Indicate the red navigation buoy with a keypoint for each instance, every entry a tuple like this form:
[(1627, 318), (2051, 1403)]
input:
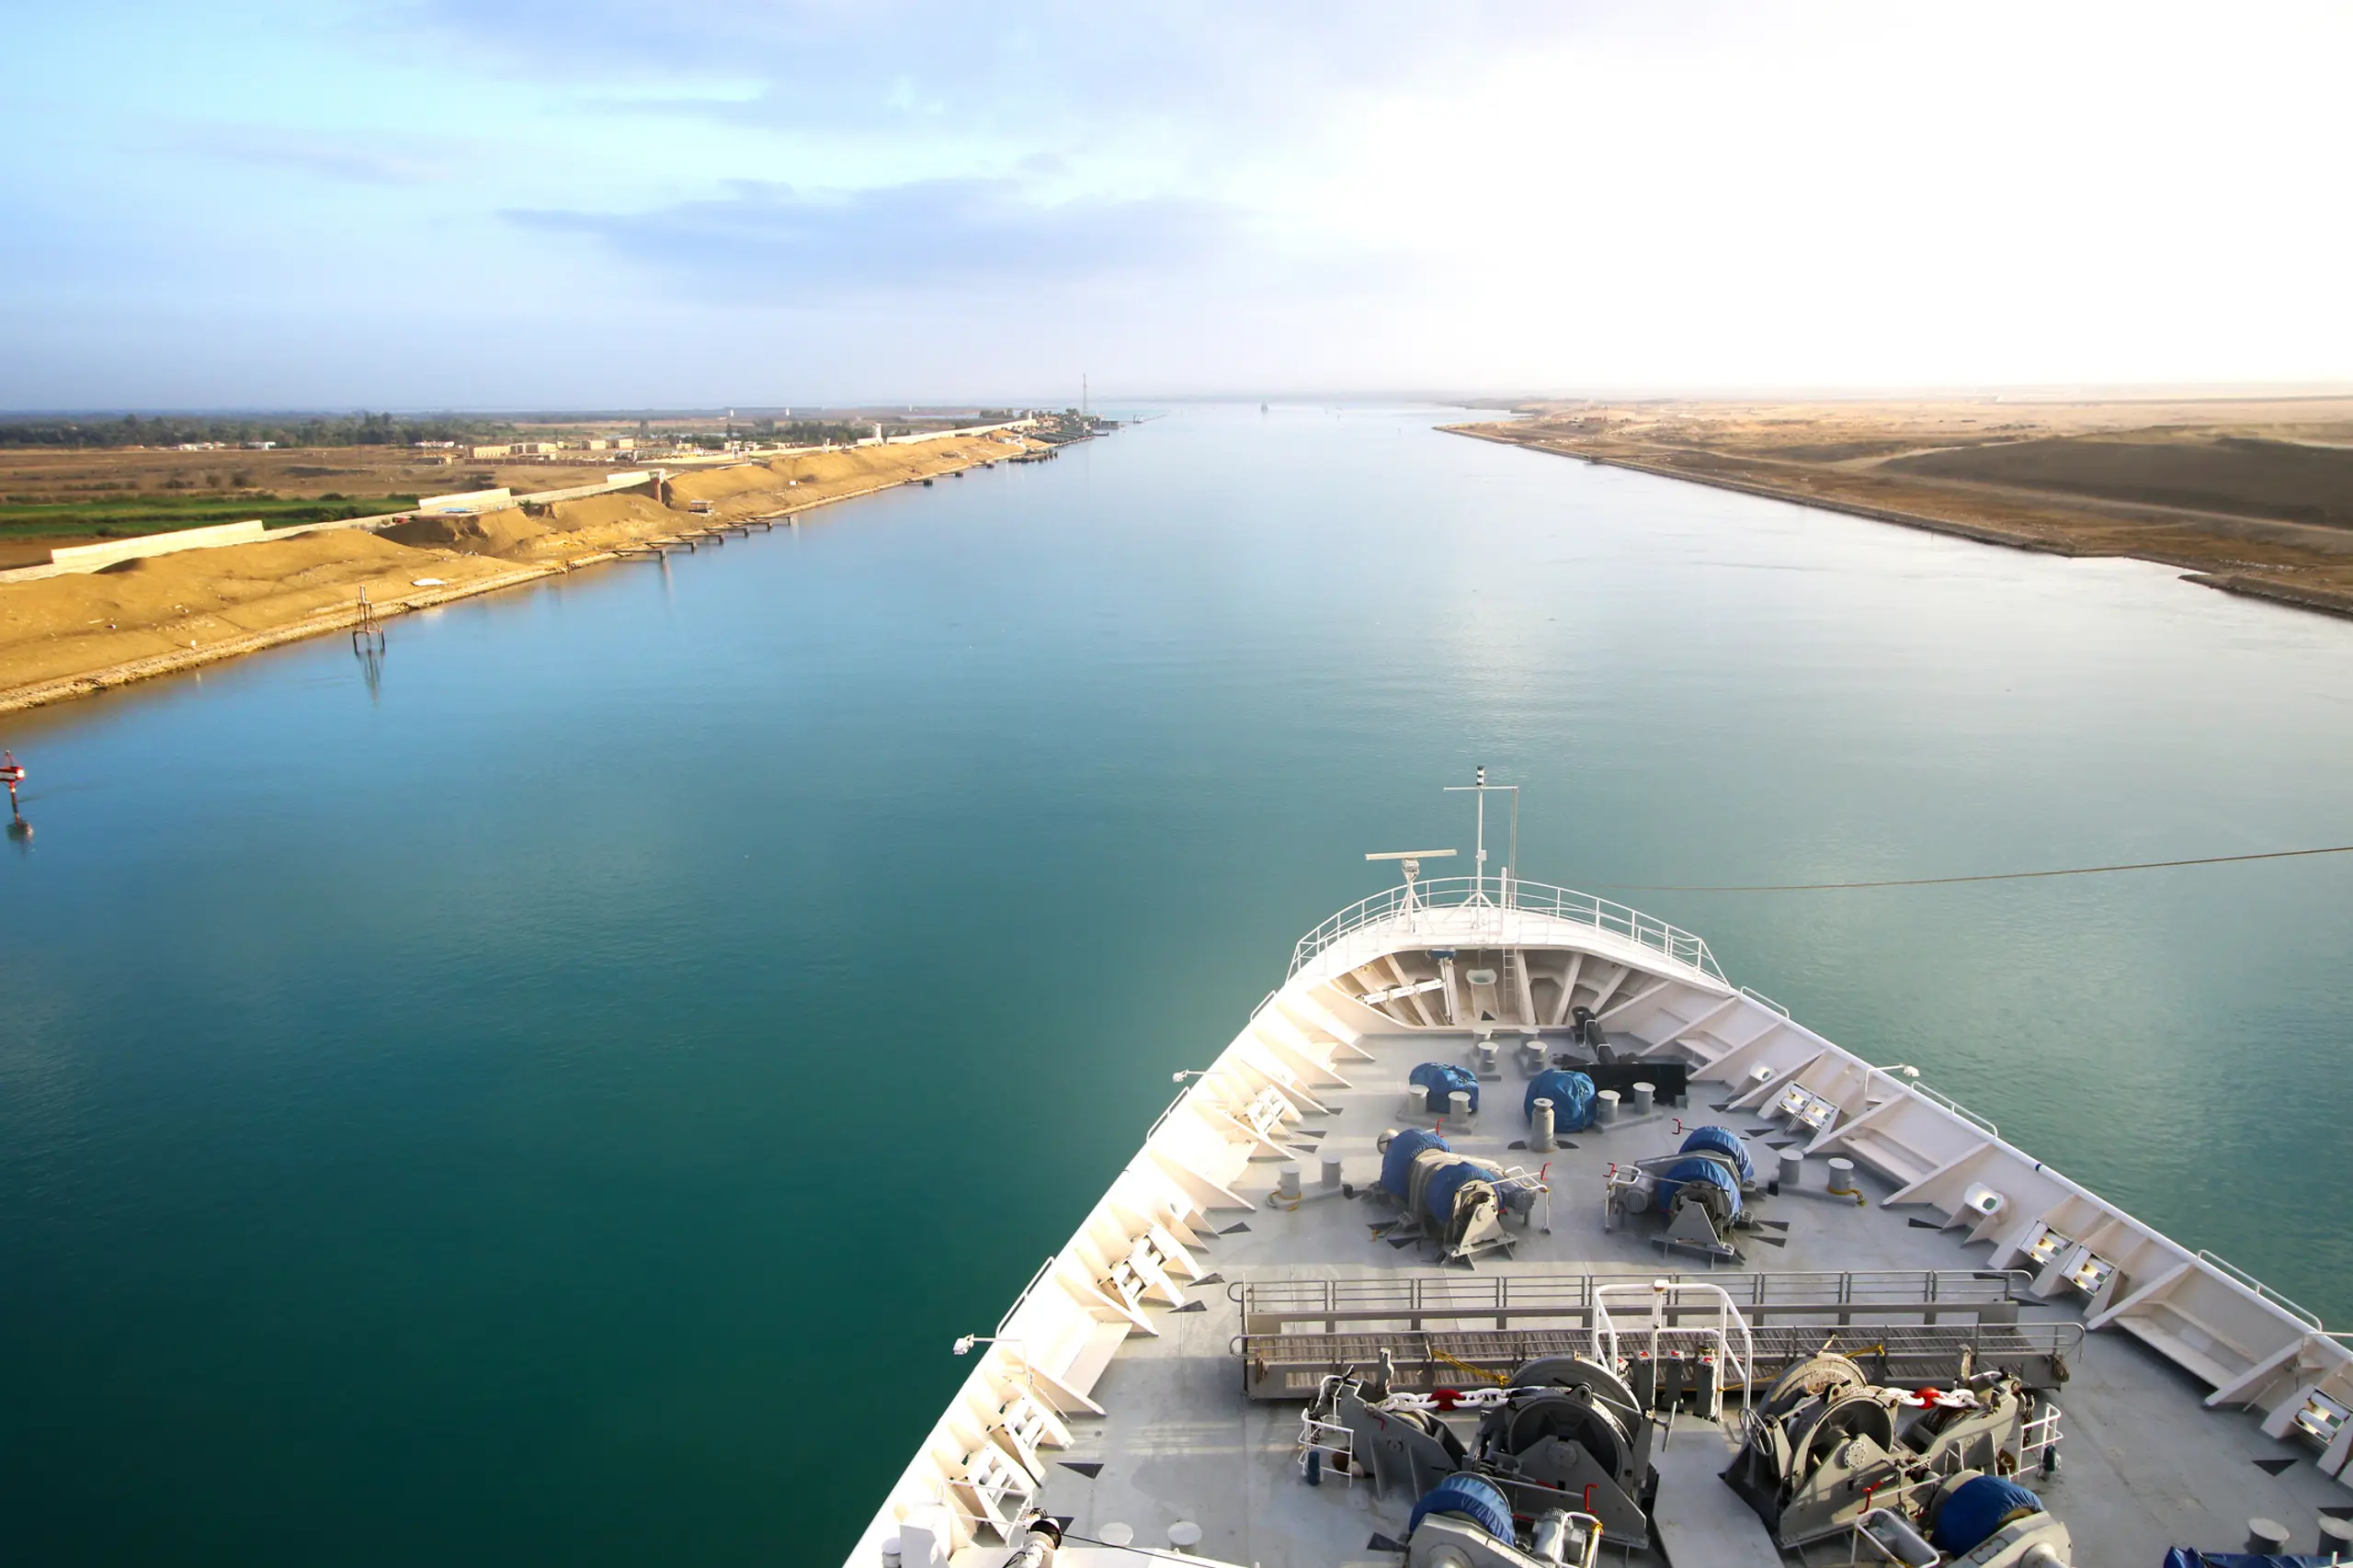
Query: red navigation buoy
[(13, 772)]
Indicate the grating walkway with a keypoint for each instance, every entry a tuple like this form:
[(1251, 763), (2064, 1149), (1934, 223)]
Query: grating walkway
[(1292, 1366)]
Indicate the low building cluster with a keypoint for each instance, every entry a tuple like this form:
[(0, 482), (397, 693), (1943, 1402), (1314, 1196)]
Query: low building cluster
[(550, 448)]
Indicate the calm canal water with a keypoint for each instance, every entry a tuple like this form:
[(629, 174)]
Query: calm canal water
[(560, 1105)]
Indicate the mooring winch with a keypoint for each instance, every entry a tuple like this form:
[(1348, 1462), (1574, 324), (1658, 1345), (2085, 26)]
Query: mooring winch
[(1827, 1448), (1702, 1192), (1565, 1440), (1456, 1201)]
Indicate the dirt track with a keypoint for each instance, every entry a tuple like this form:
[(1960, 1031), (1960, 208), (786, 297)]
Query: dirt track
[(2252, 496), (67, 636)]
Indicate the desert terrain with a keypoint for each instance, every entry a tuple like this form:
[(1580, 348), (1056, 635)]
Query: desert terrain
[(2254, 496), (53, 497), (64, 636)]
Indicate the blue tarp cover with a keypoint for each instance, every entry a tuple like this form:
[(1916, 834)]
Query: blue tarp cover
[(1397, 1162), (1474, 1498), (1437, 1198), (2189, 1557), (1971, 1516), (1443, 1078), (1671, 1180), (1724, 1140), (1572, 1097)]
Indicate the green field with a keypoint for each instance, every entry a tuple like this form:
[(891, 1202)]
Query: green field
[(160, 514)]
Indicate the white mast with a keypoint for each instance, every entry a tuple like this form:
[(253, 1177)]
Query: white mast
[(1479, 863)]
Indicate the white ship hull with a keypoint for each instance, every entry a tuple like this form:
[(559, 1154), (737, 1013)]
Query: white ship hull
[(1114, 1394)]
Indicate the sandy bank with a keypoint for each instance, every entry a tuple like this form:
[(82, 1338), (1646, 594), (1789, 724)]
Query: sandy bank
[(66, 637), (2246, 495)]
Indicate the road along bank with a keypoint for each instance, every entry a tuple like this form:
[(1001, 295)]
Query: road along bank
[(69, 636)]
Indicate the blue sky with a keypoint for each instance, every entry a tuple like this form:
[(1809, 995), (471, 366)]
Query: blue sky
[(421, 203)]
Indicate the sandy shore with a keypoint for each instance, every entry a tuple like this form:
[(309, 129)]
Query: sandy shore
[(69, 636), (2253, 496)]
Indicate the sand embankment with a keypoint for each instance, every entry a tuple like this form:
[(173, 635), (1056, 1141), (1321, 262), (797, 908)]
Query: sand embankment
[(68, 636), (2246, 493)]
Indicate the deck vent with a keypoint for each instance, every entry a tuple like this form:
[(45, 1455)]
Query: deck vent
[(1801, 1107), (2047, 1245), (2091, 1273), (1983, 1201), (1760, 1076), (2321, 1418)]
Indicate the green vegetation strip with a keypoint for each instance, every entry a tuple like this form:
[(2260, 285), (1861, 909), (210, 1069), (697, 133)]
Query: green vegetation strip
[(154, 515)]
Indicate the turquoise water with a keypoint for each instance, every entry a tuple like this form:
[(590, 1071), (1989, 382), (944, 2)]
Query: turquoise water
[(560, 1104)]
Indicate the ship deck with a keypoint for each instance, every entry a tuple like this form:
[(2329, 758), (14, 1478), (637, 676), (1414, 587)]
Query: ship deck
[(2145, 1465), (1148, 1389)]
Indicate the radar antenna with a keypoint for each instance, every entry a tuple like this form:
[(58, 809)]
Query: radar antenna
[(1412, 867)]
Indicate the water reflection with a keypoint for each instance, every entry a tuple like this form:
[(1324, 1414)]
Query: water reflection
[(370, 652)]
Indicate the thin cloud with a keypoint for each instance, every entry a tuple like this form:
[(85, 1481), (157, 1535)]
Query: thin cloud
[(355, 158), (1228, 70), (775, 245)]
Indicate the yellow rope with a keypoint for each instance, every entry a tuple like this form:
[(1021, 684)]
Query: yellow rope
[(1459, 1365)]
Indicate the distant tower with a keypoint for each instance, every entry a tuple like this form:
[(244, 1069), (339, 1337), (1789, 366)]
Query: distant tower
[(1082, 394)]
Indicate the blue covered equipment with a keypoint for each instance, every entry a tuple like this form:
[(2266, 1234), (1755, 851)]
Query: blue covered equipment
[(1442, 1079), (1981, 1506), (1722, 1140), (1397, 1160), (1452, 1200), (1571, 1096), (1699, 1191), (1438, 1193), (1672, 1180), (1469, 1497)]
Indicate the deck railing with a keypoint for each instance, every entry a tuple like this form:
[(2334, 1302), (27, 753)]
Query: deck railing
[(1983, 1124), (1494, 903), (2301, 1313), (1412, 1298)]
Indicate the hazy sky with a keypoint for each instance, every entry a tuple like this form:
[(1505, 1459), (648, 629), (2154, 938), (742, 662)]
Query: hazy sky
[(502, 202)]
